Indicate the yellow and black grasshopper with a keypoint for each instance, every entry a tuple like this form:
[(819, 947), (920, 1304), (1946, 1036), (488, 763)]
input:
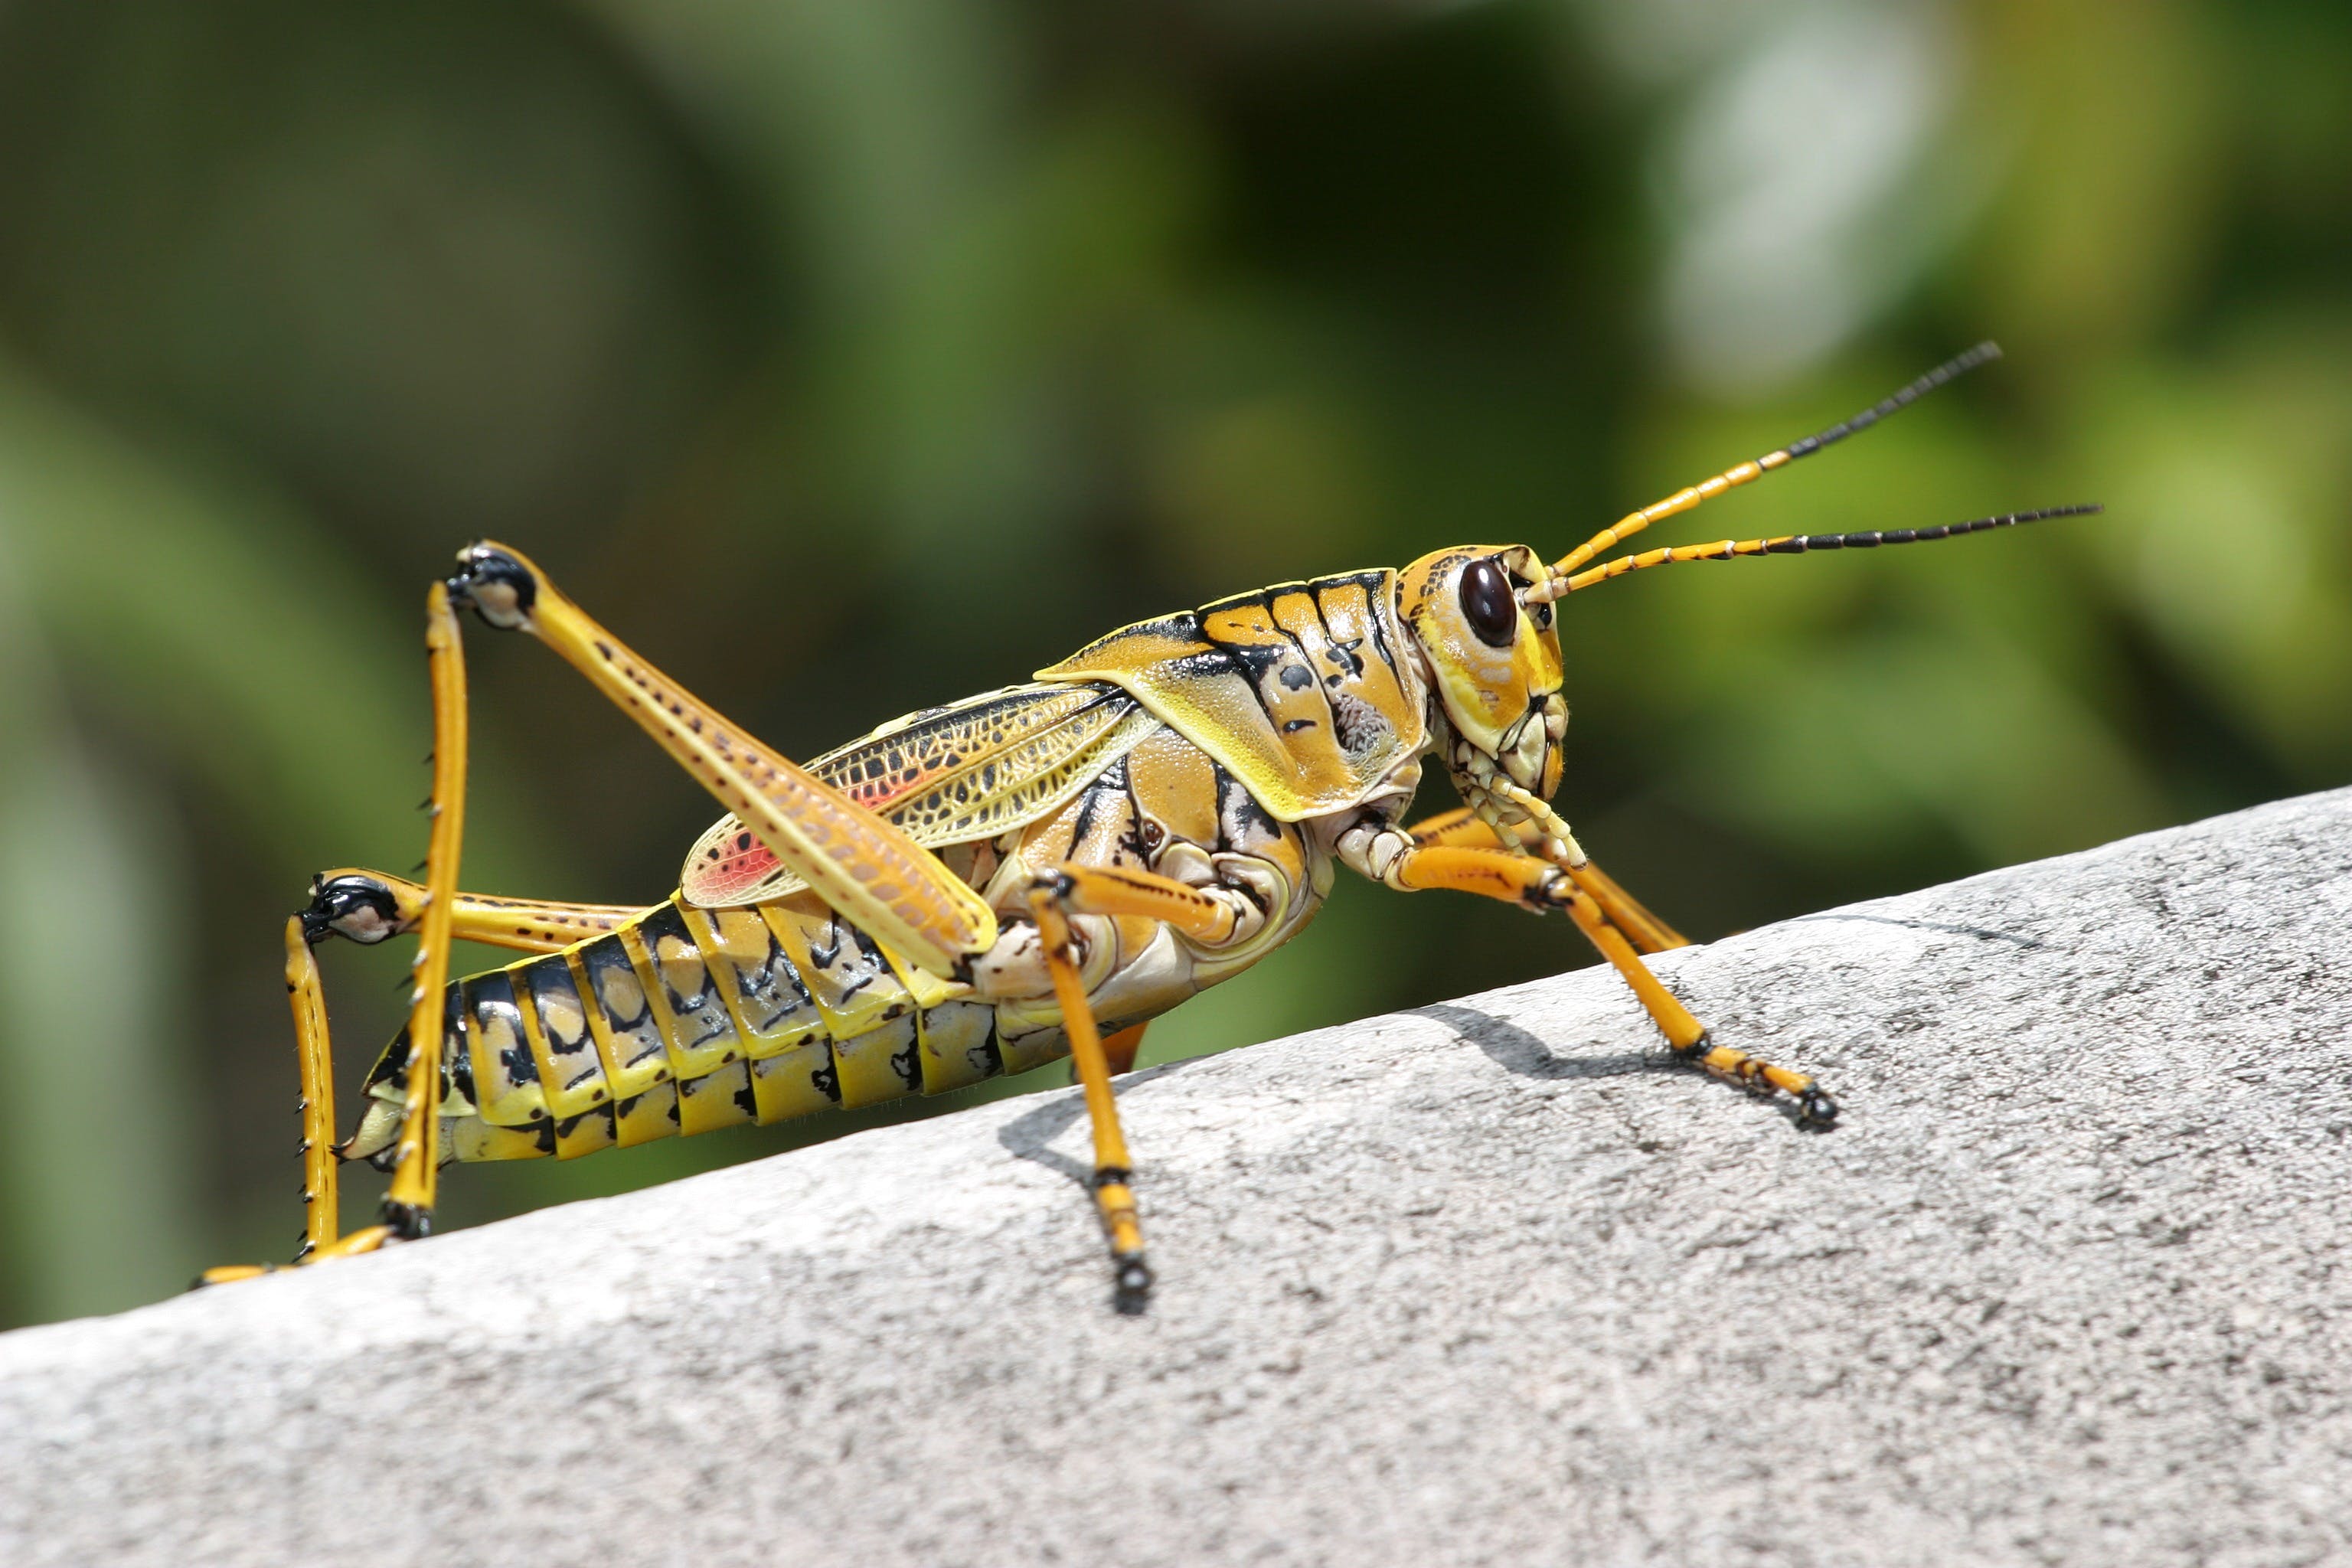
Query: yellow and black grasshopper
[(984, 887)]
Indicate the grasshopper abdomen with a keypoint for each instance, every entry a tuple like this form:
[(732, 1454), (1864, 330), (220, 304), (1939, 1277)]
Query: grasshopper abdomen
[(683, 1021)]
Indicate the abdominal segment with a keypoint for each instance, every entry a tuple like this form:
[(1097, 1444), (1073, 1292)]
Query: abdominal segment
[(684, 1021), (687, 1019)]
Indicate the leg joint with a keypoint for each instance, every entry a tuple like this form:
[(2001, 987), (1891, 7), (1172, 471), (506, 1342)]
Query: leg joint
[(1552, 892), (408, 1222), (495, 585), (359, 908)]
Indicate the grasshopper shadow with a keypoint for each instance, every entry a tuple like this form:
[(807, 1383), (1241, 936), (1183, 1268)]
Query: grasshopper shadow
[(1515, 1050), (1028, 1135)]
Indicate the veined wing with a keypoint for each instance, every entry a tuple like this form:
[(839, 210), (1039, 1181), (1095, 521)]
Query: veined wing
[(969, 771)]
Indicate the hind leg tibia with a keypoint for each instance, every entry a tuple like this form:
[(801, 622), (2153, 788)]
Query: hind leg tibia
[(408, 1206)]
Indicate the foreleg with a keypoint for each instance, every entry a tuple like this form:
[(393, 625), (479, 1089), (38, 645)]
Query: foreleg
[(1463, 829), (1394, 857)]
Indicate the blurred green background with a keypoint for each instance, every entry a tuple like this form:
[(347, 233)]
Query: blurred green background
[(850, 356)]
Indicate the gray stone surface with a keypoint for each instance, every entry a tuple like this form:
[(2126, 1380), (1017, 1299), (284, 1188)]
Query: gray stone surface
[(1485, 1283)]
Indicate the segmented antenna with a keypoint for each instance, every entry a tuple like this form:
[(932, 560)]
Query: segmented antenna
[(1798, 544), (1684, 500)]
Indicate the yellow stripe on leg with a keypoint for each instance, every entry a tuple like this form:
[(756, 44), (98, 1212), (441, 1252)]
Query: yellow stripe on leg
[(1648, 933), (1120, 1049), (1114, 1196), (1682, 1031), (321, 1217), (408, 1205), (857, 861)]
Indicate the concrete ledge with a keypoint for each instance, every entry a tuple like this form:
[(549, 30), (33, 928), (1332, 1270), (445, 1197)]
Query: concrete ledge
[(1485, 1283)]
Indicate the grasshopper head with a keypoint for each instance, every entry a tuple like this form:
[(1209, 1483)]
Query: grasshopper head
[(1495, 663)]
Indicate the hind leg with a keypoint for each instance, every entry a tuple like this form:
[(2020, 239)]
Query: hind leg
[(408, 1206), (321, 1224), (370, 907), (367, 907), (407, 1211), (859, 863)]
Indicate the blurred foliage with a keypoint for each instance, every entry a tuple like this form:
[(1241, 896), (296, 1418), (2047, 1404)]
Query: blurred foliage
[(849, 357)]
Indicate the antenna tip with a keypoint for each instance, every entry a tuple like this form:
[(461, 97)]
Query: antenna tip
[(2049, 513)]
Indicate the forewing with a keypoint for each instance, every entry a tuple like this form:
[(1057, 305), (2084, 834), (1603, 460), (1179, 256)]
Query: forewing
[(946, 776)]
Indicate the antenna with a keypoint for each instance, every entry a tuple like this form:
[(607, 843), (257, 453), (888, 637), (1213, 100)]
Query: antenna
[(1557, 582), (1798, 544)]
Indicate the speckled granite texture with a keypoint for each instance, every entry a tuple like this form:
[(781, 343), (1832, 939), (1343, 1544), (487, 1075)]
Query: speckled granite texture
[(1490, 1282)]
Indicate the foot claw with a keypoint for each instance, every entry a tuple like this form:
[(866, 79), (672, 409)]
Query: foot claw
[(1133, 1286), (406, 1222)]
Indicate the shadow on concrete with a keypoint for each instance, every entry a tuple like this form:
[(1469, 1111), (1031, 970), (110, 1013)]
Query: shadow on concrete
[(1515, 1050), (1027, 1135), (2027, 943)]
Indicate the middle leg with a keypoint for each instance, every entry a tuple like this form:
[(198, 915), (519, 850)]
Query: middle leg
[(408, 1205), (1054, 896)]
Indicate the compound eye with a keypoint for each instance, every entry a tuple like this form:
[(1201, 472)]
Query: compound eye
[(1492, 609)]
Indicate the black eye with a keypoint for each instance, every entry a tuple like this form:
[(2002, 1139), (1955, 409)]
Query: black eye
[(1487, 600)]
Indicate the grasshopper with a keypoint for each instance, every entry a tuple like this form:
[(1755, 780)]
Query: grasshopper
[(987, 886)]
